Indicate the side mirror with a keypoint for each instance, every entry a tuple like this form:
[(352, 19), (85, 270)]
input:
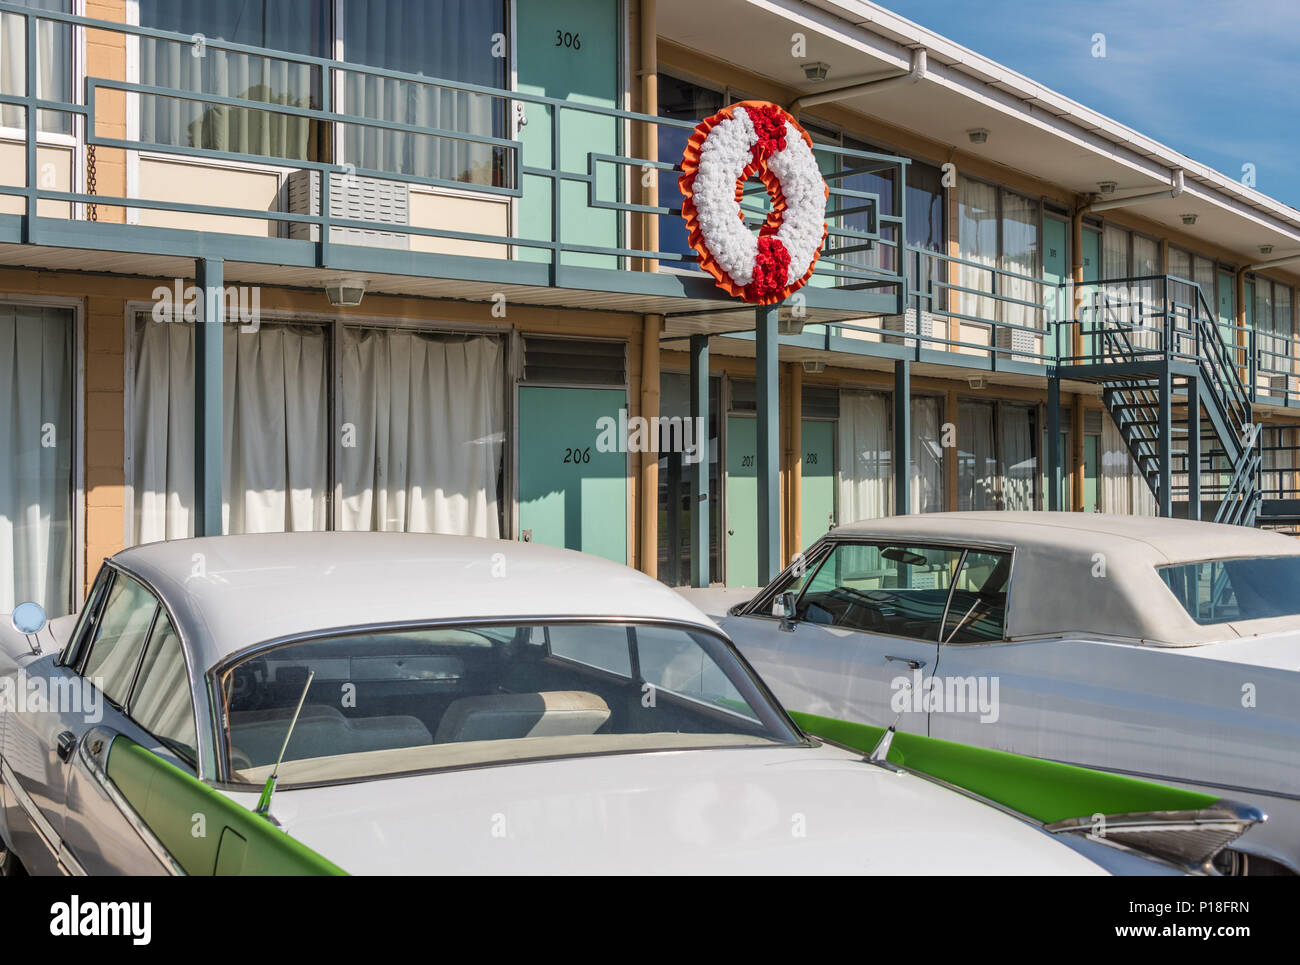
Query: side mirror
[(783, 607), (29, 620)]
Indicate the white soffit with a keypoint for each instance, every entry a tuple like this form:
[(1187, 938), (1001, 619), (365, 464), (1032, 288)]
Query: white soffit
[(1034, 130)]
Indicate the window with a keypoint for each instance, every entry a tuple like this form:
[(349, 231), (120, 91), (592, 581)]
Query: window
[(681, 100), (865, 445), (421, 426), (161, 701), (121, 633), (676, 508), (999, 229), (443, 39), (446, 697), (977, 610), (38, 437), (54, 80), (891, 589), (1275, 327), (997, 455), (1219, 591)]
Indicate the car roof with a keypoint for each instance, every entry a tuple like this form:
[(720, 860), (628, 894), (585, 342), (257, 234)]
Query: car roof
[(1090, 573), (229, 592)]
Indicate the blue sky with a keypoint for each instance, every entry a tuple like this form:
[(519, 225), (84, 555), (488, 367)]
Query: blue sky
[(1216, 79)]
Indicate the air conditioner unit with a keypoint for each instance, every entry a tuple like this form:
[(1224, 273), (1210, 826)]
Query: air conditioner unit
[(1021, 344), (353, 198), (1277, 384), (906, 324)]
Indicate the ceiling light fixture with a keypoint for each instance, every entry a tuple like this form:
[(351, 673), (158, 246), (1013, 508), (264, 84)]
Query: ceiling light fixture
[(1189, 219), (345, 293), (816, 71), (978, 136), (812, 366), (1107, 187)]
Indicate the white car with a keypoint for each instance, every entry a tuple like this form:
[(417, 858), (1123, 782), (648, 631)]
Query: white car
[(1158, 648), (426, 704)]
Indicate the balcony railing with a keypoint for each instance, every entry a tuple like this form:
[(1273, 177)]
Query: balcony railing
[(568, 183)]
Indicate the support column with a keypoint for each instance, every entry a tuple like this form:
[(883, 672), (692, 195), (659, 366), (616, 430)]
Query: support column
[(1166, 497), (1193, 448), (794, 462), (1055, 455), (651, 326), (1079, 472), (902, 436), (768, 444), (208, 449), (699, 542)]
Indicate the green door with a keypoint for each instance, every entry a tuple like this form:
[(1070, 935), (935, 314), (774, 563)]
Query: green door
[(817, 499), (1228, 310), (1056, 270), (742, 501), (570, 493), (1091, 273), (569, 49)]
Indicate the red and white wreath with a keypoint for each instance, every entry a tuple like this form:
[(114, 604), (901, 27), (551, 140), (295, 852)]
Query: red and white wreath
[(748, 139)]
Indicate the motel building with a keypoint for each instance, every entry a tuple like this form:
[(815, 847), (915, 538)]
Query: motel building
[(421, 265)]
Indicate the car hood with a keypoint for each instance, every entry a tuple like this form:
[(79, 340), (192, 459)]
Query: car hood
[(748, 810)]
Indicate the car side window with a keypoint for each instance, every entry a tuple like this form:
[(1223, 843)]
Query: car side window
[(81, 634), (161, 701), (119, 637), (893, 589), (977, 612)]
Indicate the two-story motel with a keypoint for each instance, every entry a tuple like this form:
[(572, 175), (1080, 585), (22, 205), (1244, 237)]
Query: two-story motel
[(446, 239)]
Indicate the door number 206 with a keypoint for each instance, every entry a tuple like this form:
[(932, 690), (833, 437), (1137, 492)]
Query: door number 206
[(577, 455)]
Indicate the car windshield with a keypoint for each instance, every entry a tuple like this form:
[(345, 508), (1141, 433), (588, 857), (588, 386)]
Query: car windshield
[(1223, 591), (402, 700)]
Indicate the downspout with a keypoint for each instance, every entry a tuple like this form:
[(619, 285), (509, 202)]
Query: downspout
[(649, 28), (912, 75)]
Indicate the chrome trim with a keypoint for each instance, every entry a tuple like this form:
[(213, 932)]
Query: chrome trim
[(97, 744), (41, 824), (1170, 779)]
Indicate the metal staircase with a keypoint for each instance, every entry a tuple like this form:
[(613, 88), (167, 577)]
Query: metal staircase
[(1172, 384)]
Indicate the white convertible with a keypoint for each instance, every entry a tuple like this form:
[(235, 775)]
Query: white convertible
[(1160, 648), (438, 704)]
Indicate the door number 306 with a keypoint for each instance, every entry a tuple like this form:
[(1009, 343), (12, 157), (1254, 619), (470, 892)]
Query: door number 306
[(565, 39)]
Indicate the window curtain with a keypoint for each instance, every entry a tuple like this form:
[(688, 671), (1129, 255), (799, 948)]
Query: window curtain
[(1021, 220), (977, 231), (1122, 488), (38, 439), (442, 39), (977, 454), (295, 26), (1148, 294), (427, 416), (53, 66), (865, 466), (1019, 461), (927, 457), (276, 419)]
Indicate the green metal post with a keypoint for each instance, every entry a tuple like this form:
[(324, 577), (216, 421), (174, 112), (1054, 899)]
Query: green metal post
[(700, 469), (209, 276), (769, 422), (1193, 448), (1055, 477), (902, 436), (1166, 496)]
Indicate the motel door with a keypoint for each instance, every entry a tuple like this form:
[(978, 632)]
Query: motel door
[(1228, 309), (742, 501), (1091, 273), (1056, 269), (817, 497), (570, 493)]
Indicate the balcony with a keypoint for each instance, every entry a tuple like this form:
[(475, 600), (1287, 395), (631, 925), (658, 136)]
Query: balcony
[(562, 212)]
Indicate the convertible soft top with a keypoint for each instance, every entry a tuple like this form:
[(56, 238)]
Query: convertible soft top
[(230, 592), (1092, 574)]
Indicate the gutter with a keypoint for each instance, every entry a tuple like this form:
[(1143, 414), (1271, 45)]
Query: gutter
[(912, 75)]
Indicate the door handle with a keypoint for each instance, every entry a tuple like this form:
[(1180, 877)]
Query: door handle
[(914, 664), (65, 743)]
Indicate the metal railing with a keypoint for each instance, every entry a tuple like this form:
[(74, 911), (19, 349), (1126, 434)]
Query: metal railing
[(542, 165)]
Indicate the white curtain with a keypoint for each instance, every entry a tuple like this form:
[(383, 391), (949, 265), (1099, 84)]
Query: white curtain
[(53, 65), (978, 465), (426, 416), (1019, 464), (978, 239), (276, 419), (1021, 221), (1122, 488), (927, 457), (37, 438), (865, 466)]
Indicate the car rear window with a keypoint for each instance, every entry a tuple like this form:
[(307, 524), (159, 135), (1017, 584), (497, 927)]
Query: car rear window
[(406, 700), (1230, 590)]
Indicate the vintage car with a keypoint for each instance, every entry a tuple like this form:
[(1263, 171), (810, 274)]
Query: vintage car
[(1160, 648), (444, 704)]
